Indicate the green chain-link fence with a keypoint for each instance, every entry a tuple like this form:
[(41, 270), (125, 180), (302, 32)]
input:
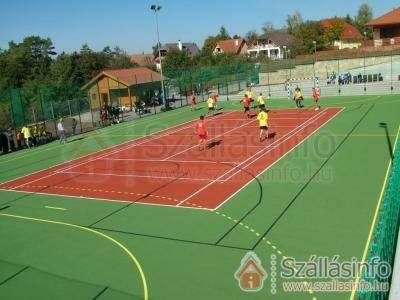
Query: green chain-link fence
[(384, 239)]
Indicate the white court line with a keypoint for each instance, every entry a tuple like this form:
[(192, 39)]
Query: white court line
[(189, 145), (278, 118), (152, 137), (104, 199), (271, 165), (251, 126), (172, 161), (139, 176), (286, 136), (222, 134)]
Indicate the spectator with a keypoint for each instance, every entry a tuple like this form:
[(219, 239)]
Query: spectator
[(10, 137), (27, 133), (74, 124), (20, 138), (110, 114), (103, 114), (3, 143), (61, 131), (116, 113)]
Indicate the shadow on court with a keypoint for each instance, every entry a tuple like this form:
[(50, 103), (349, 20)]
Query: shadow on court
[(213, 144), (389, 142)]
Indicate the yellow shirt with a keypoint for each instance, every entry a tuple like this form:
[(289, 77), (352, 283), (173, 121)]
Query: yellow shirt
[(210, 102), (297, 95), (249, 94), (263, 118), (261, 100), (26, 132)]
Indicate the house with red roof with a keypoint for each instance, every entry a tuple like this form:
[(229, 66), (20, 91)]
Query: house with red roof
[(275, 45), (143, 59), (122, 87), (235, 46), (386, 28), (351, 36)]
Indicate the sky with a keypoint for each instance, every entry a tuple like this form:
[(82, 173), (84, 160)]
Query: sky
[(130, 24)]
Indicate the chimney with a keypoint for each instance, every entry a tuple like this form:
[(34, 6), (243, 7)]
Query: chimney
[(236, 43), (180, 45)]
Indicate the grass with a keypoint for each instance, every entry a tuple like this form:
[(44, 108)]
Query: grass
[(320, 199)]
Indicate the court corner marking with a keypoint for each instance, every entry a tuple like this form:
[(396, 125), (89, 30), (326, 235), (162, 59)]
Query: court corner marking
[(109, 238)]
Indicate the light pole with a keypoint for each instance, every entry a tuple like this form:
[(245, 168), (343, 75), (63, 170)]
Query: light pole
[(315, 57), (156, 8)]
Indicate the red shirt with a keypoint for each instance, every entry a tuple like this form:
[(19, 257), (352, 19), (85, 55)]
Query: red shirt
[(315, 94), (201, 127), (193, 99), (246, 102)]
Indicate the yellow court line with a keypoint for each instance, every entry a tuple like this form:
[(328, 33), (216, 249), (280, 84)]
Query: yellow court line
[(371, 230), (126, 250), (57, 208)]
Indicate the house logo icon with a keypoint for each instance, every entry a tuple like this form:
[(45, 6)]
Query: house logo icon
[(251, 275)]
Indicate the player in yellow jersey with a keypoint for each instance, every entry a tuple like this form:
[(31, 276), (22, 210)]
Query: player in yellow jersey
[(262, 118), (261, 101), (210, 105)]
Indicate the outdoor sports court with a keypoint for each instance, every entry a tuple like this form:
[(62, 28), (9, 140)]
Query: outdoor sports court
[(167, 168), (136, 211)]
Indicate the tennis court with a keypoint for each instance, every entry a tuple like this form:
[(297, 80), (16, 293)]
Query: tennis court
[(136, 211)]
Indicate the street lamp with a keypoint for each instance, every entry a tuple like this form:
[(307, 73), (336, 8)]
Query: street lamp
[(156, 8)]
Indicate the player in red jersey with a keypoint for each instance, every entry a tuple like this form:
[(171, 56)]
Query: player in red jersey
[(202, 133), (246, 105), (316, 98)]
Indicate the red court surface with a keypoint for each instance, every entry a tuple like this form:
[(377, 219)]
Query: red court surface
[(166, 168)]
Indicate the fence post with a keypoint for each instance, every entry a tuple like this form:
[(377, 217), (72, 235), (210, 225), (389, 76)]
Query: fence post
[(227, 91), (79, 115), (365, 82), (391, 72), (338, 68), (269, 87)]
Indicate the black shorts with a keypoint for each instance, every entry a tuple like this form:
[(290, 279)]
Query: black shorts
[(247, 109), (261, 106), (211, 108), (263, 127)]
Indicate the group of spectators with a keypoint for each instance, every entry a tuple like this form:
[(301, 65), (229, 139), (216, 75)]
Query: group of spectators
[(33, 135), (344, 78), (110, 115), (26, 137)]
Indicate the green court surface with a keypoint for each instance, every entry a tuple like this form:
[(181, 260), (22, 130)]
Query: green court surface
[(319, 199)]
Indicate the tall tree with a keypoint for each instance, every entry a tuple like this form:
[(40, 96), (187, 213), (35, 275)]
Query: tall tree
[(293, 21), (175, 61), (335, 30), (267, 27), (305, 34), (223, 34), (209, 45), (121, 60), (251, 37), (363, 17), (29, 60)]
